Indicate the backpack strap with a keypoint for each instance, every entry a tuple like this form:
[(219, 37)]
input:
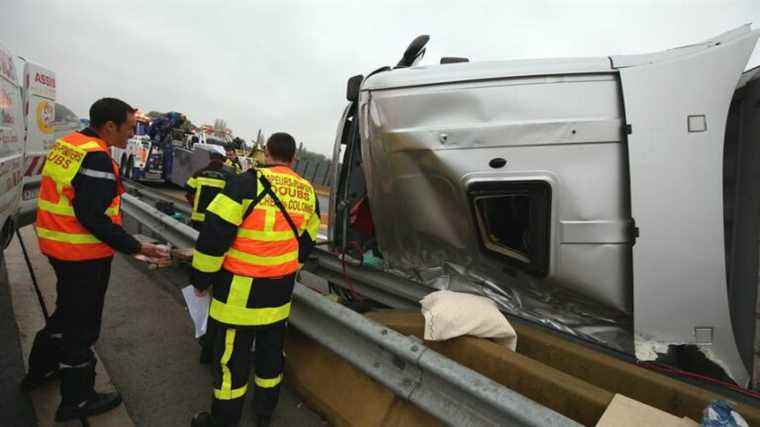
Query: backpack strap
[(269, 192)]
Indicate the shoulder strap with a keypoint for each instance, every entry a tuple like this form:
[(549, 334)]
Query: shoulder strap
[(268, 191)]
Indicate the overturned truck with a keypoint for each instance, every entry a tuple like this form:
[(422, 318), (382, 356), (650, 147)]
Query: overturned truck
[(614, 199)]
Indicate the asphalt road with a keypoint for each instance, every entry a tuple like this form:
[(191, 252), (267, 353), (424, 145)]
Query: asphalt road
[(15, 407), (148, 349)]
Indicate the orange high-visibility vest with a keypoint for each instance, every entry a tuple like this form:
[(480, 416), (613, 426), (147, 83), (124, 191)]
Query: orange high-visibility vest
[(265, 245), (60, 234)]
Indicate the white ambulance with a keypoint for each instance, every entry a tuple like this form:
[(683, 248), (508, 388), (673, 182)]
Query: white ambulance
[(27, 130), (42, 129)]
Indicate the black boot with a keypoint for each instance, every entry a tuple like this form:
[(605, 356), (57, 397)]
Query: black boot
[(202, 419), (205, 419), (43, 361), (96, 404), (78, 397), (32, 381)]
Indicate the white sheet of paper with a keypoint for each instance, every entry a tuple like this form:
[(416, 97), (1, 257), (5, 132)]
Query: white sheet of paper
[(198, 308)]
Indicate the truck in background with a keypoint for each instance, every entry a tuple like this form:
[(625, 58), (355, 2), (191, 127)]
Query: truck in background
[(140, 160), (167, 155)]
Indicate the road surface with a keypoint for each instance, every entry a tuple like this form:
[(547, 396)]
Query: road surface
[(146, 345)]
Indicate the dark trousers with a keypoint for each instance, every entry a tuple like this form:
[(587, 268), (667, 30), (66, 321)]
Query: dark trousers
[(207, 342), (74, 326), (232, 354)]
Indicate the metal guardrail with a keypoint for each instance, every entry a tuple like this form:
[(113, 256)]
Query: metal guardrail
[(160, 224), (377, 285), (452, 393), (140, 190), (455, 395)]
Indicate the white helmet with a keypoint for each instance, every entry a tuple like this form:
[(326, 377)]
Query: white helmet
[(212, 149)]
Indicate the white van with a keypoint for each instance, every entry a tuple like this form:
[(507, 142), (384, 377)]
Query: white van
[(12, 131), (28, 129), (42, 129)]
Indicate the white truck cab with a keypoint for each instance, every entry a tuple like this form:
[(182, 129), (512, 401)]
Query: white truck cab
[(613, 198)]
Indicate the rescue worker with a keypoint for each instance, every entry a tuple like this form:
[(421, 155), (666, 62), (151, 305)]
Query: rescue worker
[(206, 183), (79, 228), (257, 231), (233, 161), (202, 187)]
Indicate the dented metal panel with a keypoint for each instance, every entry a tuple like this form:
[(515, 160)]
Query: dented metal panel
[(676, 104), (424, 147)]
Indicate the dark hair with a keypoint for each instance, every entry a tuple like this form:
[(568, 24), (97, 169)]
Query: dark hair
[(109, 110), (281, 146)]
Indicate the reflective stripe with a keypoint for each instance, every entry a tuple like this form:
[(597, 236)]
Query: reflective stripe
[(191, 182), (243, 316), (267, 236), (269, 220), (58, 209), (92, 145), (79, 366), (206, 263), (197, 216), (235, 393), (268, 382), (60, 236), (263, 260), (211, 182), (229, 343), (97, 174), (66, 209), (199, 184), (312, 225), (240, 290), (227, 209)]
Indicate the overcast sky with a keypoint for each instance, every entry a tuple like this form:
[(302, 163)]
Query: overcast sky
[(283, 65)]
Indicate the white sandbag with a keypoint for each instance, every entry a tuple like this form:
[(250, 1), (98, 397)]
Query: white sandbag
[(452, 314)]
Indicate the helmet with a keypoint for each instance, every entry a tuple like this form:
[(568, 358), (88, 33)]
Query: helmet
[(212, 149)]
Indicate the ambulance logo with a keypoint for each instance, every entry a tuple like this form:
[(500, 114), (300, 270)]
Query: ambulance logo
[(45, 117)]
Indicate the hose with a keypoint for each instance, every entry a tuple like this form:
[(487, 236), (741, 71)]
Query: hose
[(34, 277)]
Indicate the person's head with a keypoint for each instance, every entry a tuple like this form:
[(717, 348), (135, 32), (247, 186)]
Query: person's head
[(231, 153), (114, 121), (216, 153), (281, 148)]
